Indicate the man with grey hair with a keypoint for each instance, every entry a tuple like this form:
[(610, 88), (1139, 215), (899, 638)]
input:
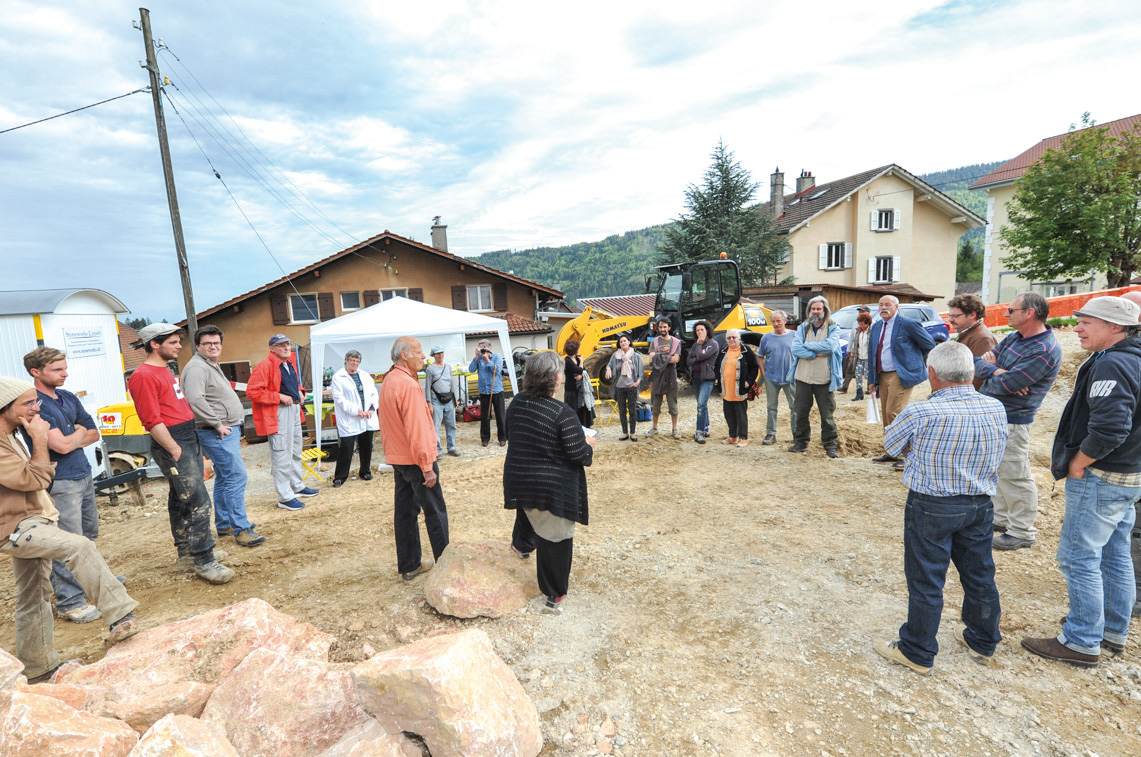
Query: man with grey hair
[(488, 366), (410, 448), (1018, 373), (1097, 450), (441, 395), (816, 369), (949, 512), (775, 353), (898, 347)]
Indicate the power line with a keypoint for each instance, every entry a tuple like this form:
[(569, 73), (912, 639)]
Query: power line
[(76, 110)]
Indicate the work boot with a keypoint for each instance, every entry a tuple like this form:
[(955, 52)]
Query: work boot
[(186, 562), (214, 573)]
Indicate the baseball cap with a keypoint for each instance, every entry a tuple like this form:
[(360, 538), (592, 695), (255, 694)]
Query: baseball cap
[(436, 350), (1112, 310), (155, 330), (278, 339)]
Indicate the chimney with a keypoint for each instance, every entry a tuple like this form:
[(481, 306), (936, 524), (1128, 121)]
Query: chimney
[(776, 194), (805, 182), (439, 234)]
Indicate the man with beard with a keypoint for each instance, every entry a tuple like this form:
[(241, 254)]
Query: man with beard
[(816, 370), (665, 352)]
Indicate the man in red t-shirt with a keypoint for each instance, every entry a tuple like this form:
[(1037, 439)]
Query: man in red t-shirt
[(166, 414)]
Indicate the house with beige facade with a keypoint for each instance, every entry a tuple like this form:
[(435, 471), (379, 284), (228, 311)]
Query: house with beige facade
[(1001, 281), (885, 226)]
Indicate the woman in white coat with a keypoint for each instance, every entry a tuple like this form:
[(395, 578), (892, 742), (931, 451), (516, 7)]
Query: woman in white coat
[(355, 401)]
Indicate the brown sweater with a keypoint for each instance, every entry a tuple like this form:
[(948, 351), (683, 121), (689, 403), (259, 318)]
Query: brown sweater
[(23, 486), (979, 341)]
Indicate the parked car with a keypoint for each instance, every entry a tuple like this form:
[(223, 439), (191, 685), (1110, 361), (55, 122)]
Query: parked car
[(845, 318)]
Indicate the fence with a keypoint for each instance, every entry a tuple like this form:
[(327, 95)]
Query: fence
[(1060, 307)]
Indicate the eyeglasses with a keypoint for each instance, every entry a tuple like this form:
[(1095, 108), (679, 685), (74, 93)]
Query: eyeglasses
[(732, 337), (32, 404), (1010, 311), (209, 344)]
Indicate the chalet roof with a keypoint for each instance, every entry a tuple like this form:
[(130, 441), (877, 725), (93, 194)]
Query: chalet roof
[(40, 301), (1012, 170), (801, 207), (386, 234), (626, 304), (517, 324)]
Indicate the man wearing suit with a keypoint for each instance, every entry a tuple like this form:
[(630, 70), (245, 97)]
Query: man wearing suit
[(897, 362)]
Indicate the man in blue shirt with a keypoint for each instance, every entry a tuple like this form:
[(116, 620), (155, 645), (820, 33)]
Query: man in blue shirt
[(897, 349), (72, 489), (955, 440), (489, 367), (776, 358)]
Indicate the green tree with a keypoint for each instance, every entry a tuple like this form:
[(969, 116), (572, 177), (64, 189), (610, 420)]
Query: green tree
[(718, 219), (1077, 210), (970, 263), (138, 323)]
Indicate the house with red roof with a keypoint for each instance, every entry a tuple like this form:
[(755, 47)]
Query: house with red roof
[(1001, 283)]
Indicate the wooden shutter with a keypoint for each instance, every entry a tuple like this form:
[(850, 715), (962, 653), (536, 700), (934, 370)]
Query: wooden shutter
[(875, 220), (459, 298), (871, 270), (371, 297), (847, 255), (325, 310), (416, 294), (279, 307), (499, 297), (896, 265), (823, 257)]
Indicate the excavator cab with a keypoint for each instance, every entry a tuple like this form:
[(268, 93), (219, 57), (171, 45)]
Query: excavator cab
[(692, 292)]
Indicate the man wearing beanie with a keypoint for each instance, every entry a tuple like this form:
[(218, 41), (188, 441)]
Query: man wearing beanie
[(29, 534), (1097, 450)]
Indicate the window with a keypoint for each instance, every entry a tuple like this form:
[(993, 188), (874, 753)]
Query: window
[(350, 301), (303, 308), (885, 220), (388, 294), (479, 297), (884, 272), (835, 256)]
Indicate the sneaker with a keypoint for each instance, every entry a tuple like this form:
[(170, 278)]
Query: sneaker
[(651, 432), (1052, 649), (186, 562), (979, 657), (214, 572), (225, 531), (454, 453), (832, 452), (890, 650), (83, 613), (769, 439), (249, 538), (293, 504), (1006, 542), (519, 554), (699, 438), (676, 435), (706, 434), (307, 492), (730, 440), (424, 568), (125, 627), (743, 443), (798, 448), (553, 605)]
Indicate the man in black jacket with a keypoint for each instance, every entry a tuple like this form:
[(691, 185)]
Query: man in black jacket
[(1098, 451)]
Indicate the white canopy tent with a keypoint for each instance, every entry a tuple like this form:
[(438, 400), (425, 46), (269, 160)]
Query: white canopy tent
[(373, 330)]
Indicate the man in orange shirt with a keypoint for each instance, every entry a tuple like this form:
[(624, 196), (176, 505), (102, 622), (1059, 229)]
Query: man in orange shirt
[(410, 448)]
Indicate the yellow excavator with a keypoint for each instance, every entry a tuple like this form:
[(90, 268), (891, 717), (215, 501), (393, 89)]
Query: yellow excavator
[(686, 293)]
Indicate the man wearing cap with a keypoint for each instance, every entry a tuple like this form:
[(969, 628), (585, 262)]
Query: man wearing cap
[(1098, 451), (165, 413), (1018, 373), (218, 415), (72, 488), (439, 391), (29, 534), (275, 394)]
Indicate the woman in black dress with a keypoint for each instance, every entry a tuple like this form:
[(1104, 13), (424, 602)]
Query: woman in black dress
[(573, 386)]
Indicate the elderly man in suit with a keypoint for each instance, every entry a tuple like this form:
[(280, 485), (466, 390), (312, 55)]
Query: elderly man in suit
[(896, 363)]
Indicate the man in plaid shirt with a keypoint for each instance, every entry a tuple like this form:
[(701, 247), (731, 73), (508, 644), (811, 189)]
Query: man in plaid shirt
[(955, 440)]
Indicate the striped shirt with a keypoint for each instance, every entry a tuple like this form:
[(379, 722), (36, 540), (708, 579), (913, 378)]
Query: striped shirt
[(956, 440), (1030, 362)]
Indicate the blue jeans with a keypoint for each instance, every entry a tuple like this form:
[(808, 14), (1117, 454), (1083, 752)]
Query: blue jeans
[(702, 390), (936, 532), (78, 514), (229, 477), (447, 414), (1093, 555)]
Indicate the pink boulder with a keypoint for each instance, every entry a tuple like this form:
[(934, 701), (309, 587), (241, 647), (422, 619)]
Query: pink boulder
[(483, 579), (371, 740), (174, 668), (89, 698), (183, 736), (454, 692), (285, 706), (10, 669), (35, 726)]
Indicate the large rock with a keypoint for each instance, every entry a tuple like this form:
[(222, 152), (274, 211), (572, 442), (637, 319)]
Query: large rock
[(480, 579), (35, 726), (285, 706), (174, 668), (454, 692), (183, 736), (371, 740), (10, 669), (89, 698)]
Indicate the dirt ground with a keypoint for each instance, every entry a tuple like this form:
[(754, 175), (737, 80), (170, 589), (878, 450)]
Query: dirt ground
[(723, 601)]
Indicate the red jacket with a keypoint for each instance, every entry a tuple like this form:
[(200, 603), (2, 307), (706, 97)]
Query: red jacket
[(264, 391)]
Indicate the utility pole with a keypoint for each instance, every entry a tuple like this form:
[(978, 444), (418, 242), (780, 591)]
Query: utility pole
[(168, 172)]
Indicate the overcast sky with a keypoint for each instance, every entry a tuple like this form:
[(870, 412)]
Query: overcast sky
[(521, 123)]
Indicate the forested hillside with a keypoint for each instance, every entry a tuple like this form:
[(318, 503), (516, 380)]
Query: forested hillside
[(619, 263)]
